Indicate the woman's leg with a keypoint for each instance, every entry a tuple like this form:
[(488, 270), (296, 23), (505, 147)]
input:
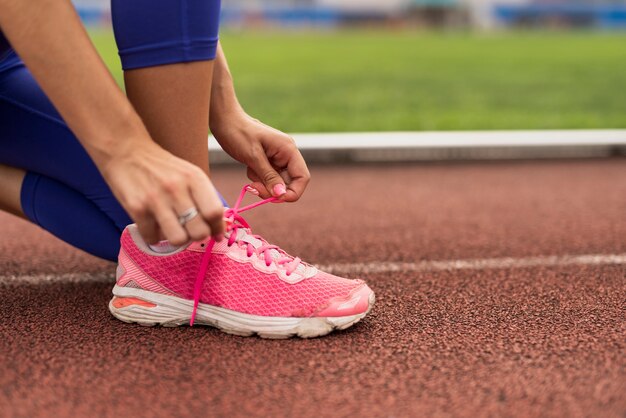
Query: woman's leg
[(47, 176), (11, 180), (173, 102), (69, 215), (34, 137), (59, 209), (167, 50)]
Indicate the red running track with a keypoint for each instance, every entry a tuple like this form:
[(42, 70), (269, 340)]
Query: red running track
[(507, 340)]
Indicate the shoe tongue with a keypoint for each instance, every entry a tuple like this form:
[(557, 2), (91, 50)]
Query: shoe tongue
[(243, 234)]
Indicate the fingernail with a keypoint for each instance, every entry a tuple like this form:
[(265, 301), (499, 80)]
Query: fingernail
[(252, 190), (279, 189)]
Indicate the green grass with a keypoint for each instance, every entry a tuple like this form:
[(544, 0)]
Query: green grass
[(362, 81)]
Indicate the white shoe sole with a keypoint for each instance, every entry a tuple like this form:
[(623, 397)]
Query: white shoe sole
[(171, 311)]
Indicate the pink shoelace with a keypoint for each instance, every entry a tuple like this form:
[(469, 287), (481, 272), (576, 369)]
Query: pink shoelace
[(235, 222)]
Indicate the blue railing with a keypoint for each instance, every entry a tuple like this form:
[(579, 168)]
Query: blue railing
[(605, 16)]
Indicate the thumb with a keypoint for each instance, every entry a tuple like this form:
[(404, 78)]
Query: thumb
[(270, 178)]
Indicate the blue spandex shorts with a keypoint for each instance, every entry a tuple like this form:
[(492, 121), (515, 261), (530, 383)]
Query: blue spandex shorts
[(63, 192)]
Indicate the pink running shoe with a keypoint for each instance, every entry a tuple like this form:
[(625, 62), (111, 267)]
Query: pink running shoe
[(241, 285)]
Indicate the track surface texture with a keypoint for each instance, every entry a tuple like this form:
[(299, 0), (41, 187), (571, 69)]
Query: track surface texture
[(545, 339)]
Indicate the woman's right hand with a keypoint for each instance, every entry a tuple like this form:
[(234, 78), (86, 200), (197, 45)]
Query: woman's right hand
[(152, 185), (156, 188)]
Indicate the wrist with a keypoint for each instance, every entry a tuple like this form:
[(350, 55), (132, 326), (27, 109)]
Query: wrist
[(226, 119), (224, 103), (127, 137)]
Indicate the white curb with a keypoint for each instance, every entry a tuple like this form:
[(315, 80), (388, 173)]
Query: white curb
[(443, 146)]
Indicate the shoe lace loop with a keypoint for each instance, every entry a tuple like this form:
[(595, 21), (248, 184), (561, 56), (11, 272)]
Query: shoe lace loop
[(235, 222)]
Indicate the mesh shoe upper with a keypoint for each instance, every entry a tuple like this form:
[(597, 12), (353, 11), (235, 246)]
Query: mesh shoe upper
[(234, 284)]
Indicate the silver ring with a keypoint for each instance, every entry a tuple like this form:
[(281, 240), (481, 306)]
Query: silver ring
[(187, 215)]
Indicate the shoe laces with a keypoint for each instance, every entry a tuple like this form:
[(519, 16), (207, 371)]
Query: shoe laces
[(239, 234)]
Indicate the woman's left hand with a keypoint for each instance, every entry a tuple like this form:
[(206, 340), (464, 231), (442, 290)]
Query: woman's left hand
[(274, 163)]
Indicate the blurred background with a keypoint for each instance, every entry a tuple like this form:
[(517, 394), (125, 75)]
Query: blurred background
[(412, 65)]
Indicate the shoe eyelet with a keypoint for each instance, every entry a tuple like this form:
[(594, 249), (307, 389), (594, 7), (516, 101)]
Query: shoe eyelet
[(203, 245)]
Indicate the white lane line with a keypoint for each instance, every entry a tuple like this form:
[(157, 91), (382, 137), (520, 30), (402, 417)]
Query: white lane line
[(58, 278), (371, 267), (477, 264)]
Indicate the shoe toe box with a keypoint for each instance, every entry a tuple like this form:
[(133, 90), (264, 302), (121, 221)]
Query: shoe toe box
[(355, 303)]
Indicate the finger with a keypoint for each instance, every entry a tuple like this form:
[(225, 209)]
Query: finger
[(258, 185), (299, 175), (258, 188), (144, 219), (269, 177), (209, 205), (197, 228), (168, 222), (148, 229)]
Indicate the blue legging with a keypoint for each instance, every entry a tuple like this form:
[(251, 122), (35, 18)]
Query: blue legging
[(63, 191)]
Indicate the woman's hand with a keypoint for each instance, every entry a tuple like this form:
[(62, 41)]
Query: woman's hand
[(153, 186), (156, 188), (272, 158)]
